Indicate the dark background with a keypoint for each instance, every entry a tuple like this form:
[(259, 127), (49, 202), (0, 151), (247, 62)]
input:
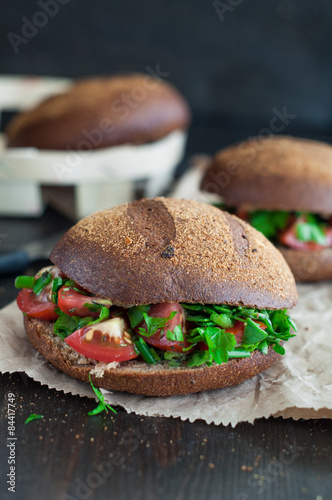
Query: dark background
[(262, 55), (234, 72)]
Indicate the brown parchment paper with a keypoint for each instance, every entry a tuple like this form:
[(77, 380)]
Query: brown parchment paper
[(299, 386)]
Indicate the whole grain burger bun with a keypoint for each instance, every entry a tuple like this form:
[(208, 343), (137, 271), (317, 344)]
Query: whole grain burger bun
[(273, 173), (138, 377), (107, 111), (168, 250)]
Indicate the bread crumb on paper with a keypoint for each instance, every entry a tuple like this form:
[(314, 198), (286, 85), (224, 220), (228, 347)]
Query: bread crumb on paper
[(101, 368)]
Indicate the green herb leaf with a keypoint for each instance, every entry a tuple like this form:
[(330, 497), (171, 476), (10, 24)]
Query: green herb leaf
[(57, 284), (263, 347), (253, 333), (312, 231), (41, 282), (145, 351), (135, 314), (198, 358), (269, 222), (279, 349), (176, 334), (102, 406), (222, 320), (154, 324), (24, 282), (66, 325), (33, 416)]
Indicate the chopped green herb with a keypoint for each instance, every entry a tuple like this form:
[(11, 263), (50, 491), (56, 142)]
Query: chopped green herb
[(135, 315), (33, 416), (222, 320), (57, 284), (102, 405), (154, 324), (41, 282), (24, 282), (311, 231), (150, 356), (253, 333), (176, 334), (65, 324), (269, 222)]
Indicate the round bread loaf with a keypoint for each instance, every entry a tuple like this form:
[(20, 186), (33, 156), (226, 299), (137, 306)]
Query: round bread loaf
[(102, 112), (168, 250), (274, 173), (138, 377)]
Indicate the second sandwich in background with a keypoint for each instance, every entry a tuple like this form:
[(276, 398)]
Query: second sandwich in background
[(283, 187)]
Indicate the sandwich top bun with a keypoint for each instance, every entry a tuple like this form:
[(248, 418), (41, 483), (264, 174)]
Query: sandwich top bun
[(168, 250), (274, 173), (109, 111)]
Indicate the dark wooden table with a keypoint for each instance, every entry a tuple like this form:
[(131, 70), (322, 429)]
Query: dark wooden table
[(68, 455)]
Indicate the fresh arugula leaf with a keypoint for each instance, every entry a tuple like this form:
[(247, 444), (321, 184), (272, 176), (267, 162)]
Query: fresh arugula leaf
[(154, 324), (135, 314), (253, 333), (176, 334), (269, 222), (263, 347), (102, 405), (33, 416), (104, 314), (41, 282)]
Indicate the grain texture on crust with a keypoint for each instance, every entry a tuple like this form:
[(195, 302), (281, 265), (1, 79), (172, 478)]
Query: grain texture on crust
[(275, 173), (102, 112), (309, 266), (138, 377), (168, 250)]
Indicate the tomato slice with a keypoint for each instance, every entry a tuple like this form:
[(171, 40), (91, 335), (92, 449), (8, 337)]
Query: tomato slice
[(159, 339), (106, 341), (71, 302), (237, 329), (289, 239), (35, 306)]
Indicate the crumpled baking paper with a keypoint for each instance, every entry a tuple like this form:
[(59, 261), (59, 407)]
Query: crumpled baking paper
[(298, 386)]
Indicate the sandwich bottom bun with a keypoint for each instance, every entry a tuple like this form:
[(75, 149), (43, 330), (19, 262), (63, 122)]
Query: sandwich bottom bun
[(309, 266), (138, 377)]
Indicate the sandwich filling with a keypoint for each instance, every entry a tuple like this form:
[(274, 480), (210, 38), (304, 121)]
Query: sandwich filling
[(297, 230), (190, 334)]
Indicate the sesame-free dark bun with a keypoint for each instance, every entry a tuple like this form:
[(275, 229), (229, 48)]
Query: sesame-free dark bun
[(102, 112), (309, 266), (168, 250), (138, 377), (274, 173)]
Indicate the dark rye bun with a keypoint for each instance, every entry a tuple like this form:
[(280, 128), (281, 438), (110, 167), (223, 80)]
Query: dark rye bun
[(138, 377), (309, 266), (168, 250), (274, 173), (103, 112)]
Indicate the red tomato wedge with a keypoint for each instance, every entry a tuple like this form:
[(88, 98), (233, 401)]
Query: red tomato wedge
[(237, 329), (106, 341), (71, 302), (159, 339), (36, 306), (289, 239)]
